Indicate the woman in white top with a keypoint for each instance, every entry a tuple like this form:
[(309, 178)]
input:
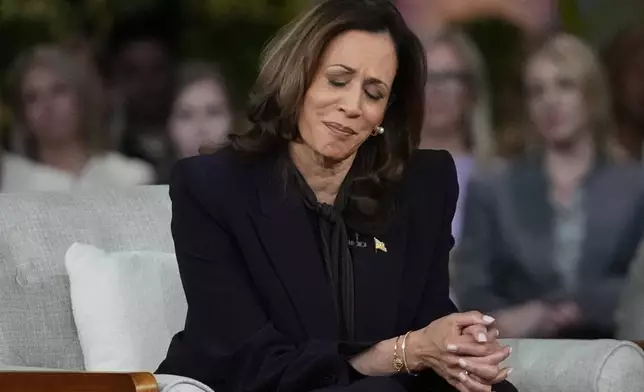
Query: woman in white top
[(60, 125)]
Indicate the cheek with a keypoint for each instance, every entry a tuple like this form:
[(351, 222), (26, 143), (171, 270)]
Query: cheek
[(536, 110), (184, 136), (373, 116), (219, 125), (66, 106), (33, 112), (575, 107), (181, 128)]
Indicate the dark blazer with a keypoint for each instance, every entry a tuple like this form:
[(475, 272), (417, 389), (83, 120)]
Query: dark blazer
[(504, 258), (260, 312)]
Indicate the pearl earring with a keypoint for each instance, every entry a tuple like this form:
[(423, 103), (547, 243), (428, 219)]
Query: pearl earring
[(378, 131)]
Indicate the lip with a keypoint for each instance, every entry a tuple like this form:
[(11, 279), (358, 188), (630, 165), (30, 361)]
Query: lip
[(339, 128)]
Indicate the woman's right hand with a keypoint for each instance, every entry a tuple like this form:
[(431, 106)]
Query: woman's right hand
[(467, 364)]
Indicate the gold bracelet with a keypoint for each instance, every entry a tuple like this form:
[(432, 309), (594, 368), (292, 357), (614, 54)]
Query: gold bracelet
[(399, 363), (404, 354)]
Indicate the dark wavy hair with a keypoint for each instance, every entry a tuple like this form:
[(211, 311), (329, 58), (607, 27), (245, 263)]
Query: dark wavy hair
[(288, 65)]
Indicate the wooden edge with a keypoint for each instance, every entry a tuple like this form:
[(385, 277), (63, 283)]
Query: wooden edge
[(639, 343), (28, 381)]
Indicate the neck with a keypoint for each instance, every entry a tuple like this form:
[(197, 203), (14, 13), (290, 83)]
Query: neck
[(68, 157), (444, 140), (323, 175), (567, 165)]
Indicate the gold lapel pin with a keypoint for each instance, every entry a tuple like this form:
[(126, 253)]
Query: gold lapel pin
[(380, 246)]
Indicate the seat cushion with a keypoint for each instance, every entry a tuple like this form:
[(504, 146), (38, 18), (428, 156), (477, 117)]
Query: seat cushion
[(576, 365), (36, 229), (127, 306)]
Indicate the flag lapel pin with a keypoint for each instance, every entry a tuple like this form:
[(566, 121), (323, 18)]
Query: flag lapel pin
[(380, 246)]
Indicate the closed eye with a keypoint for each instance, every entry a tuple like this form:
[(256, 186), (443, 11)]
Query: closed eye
[(337, 83)]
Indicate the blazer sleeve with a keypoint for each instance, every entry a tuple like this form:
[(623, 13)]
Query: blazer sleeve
[(599, 299), (630, 312), (228, 341), (436, 302), (474, 258)]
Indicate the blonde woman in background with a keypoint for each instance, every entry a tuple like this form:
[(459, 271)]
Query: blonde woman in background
[(547, 239), (58, 109), (457, 117)]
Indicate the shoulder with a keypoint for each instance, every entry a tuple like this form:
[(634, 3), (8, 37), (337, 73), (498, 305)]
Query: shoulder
[(20, 174), (118, 168), (430, 178), (222, 177), (627, 177), (625, 172), (430, 166)]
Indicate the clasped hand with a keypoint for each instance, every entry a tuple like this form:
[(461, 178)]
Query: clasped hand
[(463, 349)]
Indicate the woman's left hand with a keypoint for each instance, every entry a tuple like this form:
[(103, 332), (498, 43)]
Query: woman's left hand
[(485, 369), (482, 333)]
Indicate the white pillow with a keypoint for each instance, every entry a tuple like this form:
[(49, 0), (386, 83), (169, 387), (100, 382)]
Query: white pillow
[(126, 306)]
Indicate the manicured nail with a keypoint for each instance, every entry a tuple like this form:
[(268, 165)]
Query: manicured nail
[(452, 347), (510, 370), (462, 376), (481, 338), (497, 333), (462, 363), (510, 350), (488, 319)]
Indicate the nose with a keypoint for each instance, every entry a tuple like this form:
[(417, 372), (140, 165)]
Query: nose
[(351, 103)]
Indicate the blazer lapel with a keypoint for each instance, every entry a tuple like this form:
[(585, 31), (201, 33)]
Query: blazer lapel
[(285, 231), (378, 265), (534, 216)]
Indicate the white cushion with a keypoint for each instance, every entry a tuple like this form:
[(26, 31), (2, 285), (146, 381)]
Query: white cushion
[(126, 306), (168, 383), (576, 365)]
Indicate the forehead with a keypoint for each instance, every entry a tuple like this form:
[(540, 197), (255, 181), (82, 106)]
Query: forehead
[(206, 89), (443, 55), (40, 74), (371, 53), (545, 67)]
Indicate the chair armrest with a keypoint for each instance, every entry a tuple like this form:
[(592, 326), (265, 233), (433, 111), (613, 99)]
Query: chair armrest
[(57, 381)]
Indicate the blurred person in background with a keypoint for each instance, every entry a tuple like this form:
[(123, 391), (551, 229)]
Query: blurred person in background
[(139, 69), (547, 239), (457, 111), (429, 17), (19, 174), (202, 113), (59, 123), (624, 59)]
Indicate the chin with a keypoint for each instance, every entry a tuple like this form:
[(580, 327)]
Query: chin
[(335, 153)]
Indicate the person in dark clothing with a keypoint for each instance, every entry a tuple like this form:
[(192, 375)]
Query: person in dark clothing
[(314, 248)]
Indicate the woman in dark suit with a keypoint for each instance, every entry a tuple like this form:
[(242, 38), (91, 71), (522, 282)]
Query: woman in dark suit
[(313, 250)]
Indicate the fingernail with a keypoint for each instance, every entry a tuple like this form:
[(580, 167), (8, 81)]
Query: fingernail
[(497, 333), (510, 350), (462, 363), (462, 376), (488, 319), (510, 370), (452, 347), (481, 338)]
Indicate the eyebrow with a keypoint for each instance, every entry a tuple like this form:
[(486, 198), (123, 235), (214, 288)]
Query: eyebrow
[(369, 80)]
